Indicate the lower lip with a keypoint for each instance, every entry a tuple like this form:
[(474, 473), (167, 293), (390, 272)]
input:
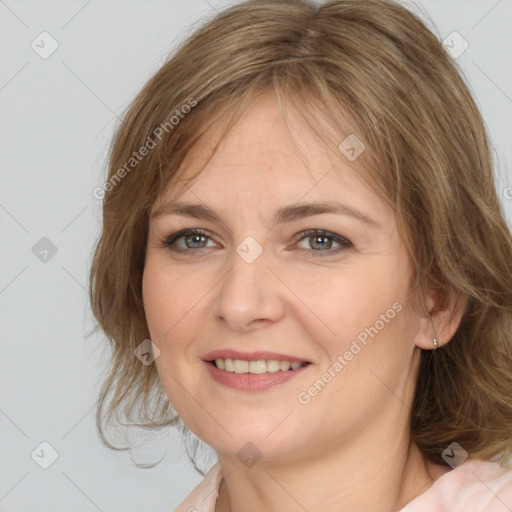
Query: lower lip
[(250, 381)]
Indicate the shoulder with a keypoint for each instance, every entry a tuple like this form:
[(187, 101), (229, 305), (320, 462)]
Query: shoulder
[(204, 496), (475, 485)]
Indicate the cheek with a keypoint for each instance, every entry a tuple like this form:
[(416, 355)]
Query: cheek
[(162, 304), (353, 300), (172, 308), (157, 302), (169, 298)]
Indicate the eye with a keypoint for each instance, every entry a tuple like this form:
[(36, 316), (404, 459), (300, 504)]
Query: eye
[(192, 238), (321, 241)]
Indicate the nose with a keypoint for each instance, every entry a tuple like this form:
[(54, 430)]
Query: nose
[(250, 293)]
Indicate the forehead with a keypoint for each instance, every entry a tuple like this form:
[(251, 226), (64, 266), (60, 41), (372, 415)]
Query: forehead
[(267, 162)]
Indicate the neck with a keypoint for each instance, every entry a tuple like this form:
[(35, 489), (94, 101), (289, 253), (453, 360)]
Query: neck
[(385, 475)]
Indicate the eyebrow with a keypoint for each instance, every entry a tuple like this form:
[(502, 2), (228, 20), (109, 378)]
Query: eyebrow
[(282, 215)]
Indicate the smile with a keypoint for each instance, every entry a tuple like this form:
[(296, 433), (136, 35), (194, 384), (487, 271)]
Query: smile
[(256, 367), (256, 375)]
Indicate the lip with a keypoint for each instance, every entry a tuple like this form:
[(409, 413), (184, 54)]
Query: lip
[(259, 355), (253, 382)]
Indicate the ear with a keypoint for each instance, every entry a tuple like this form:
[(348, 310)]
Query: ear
[(442, 318)]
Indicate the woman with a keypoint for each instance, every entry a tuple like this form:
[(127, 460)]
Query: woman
[(303, 246)]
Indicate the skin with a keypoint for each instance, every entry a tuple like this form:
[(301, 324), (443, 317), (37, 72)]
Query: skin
[(351, 436)]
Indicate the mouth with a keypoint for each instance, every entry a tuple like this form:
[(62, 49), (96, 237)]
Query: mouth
[(254, 375), (258, 367)]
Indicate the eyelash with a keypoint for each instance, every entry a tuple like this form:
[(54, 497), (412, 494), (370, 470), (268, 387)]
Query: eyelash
[(344, 242)]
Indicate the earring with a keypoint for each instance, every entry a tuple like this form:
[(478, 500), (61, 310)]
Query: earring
[(435, 343)]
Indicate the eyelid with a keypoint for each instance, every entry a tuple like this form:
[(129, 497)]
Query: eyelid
[(317, 231), (344, 242), (168, 241)]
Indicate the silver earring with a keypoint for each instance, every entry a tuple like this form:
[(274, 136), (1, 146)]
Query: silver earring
[(435, 342)]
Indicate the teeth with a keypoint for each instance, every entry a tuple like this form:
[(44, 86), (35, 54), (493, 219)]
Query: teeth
[(273, 366), (240, 366), (284, 365), (255, 367)]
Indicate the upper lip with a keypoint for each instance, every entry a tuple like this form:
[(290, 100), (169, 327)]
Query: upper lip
[(259, 355)]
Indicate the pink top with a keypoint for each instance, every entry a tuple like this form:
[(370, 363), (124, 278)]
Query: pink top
[(473, 486)]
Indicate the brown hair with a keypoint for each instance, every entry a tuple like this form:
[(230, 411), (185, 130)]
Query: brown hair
[(368, 67)]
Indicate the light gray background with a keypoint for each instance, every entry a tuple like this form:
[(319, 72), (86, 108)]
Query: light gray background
[(57, 118)]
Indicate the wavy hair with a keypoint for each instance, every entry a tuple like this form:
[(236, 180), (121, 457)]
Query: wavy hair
[(366, 67)]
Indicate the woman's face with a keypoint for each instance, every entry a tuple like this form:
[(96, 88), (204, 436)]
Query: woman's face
[(256, 282)]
